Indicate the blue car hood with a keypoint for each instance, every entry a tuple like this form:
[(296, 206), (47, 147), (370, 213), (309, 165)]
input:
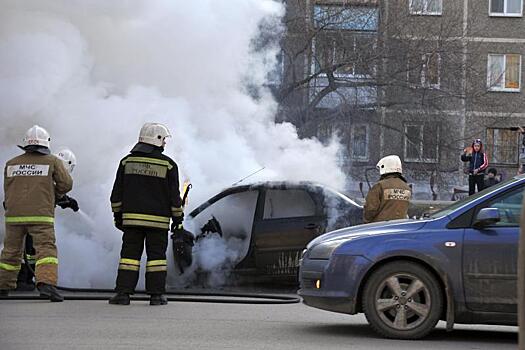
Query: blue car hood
[(378, 228)]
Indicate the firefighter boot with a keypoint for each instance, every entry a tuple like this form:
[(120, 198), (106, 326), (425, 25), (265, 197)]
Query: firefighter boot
[(50, 292), (120, 299), (158, 299), (25, 287)]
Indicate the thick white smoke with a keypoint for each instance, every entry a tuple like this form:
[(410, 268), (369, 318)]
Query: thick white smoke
[(92, 72)]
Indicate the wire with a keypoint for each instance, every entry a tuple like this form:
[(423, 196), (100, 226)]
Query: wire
[(199, 297)]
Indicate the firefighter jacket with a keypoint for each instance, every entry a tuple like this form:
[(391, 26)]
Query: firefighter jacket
[(146, 189), (387, 200), (31, 182)]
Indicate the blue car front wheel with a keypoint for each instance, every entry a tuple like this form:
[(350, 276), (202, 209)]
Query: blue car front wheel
[(402, 300)]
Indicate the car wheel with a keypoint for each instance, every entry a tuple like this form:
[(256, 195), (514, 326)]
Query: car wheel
[(402, 300)]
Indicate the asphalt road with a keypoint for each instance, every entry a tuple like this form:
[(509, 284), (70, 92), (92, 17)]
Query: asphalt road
[(189, 325)]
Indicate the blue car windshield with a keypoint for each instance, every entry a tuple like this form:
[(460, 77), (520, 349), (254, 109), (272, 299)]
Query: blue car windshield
[(447, 210)]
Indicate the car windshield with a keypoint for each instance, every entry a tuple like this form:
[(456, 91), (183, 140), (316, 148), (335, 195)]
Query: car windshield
[(465, 201)]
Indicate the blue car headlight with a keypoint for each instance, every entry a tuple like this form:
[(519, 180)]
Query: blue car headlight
[(324, 250)]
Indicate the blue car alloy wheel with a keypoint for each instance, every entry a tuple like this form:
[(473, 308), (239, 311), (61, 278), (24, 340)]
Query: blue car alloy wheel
[(403, 300)]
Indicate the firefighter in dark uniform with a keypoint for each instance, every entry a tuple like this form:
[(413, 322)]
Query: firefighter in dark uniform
[(389, 198), (145, 197)]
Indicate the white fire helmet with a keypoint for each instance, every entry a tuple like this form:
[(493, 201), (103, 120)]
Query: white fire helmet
[(36, 136), (154, 134), (68, 158), (389, 164)]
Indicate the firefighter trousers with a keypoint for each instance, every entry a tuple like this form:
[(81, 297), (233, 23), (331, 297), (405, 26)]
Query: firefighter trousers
[(46, 266), (129, 264), (26, 273)]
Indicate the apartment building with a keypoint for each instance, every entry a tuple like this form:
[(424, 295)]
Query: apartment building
[(417, 78)]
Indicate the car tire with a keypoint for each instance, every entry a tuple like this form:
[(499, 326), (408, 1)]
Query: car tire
[(402, 300)]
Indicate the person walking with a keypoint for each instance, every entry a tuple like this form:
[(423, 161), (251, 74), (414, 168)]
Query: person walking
[(145, 196), (31, 182), (478, 162), (389, 198)]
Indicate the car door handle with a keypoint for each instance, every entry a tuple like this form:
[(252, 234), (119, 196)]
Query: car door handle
[(311, 226)]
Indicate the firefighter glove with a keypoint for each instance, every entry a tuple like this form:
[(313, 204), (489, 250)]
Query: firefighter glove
[(68, 202), (176, 227), (118, 220)]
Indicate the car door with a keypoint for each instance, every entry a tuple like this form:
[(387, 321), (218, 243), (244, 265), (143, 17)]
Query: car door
[(490, 257), (233, 214), (285, 223)]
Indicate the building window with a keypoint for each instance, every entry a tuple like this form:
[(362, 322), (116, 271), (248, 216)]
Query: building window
[(359, 18), (430, 70), (359, 142), (325, 131), (342, 158), (502, 146), (426, 71), (426, 7), (364, 97), (421, 142), (507, 8), (345, 59), (504, 72)]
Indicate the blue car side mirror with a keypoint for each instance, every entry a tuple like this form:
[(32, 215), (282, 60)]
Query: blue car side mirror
[(486, 217)]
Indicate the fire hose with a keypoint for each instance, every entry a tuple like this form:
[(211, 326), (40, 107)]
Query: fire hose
[(176, 296)]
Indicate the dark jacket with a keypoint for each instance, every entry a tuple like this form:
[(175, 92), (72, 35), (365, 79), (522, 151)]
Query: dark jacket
[(477, 160), (388, 199), (146, 189), (491, 182)]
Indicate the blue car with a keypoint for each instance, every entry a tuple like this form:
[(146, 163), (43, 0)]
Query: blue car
[(457, 265)]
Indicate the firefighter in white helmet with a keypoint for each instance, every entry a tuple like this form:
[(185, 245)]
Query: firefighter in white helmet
[(68, 157), (25, 277), (144, 198), (31, 182), (389, 198), (70, 161)]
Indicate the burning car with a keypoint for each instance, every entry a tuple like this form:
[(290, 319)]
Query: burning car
[(261, 229)]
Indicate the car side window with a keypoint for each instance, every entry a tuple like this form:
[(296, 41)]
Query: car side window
[(280, 204), (509, 207)]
